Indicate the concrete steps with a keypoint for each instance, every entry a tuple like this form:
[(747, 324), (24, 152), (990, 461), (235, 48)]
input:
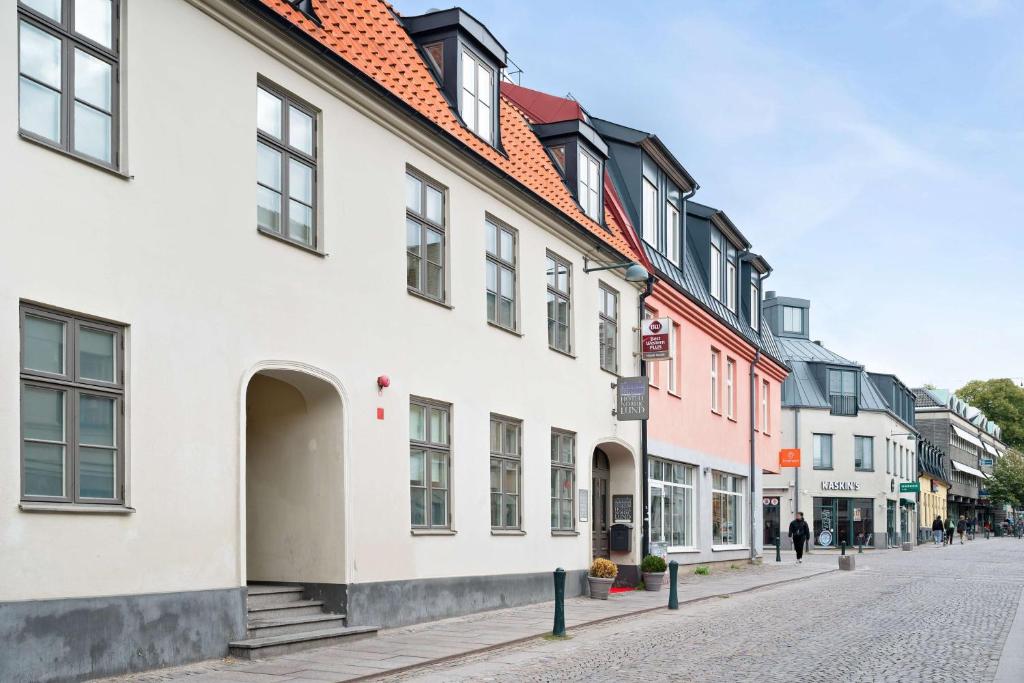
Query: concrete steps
[(280, 621)]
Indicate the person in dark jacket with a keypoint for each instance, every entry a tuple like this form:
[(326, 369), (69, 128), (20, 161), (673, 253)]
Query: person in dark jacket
[(800, 533), (961, 527), (937, 529)]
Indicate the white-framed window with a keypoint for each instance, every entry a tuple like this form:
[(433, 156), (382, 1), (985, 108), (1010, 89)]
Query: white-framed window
[(822, 451), (673, 334), (730, 387), (715, 391), (730, 279), (888, 456), (727, 508), (672, 503), (716, 265), (477, 95), (672, 236), (588, 174), (755, 302), (765, 415), (649, 220), (792, 319)]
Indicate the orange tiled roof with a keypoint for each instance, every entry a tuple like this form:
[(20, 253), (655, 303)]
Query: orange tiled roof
[(368, 35)]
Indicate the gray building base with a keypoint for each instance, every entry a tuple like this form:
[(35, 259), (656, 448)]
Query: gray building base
[(73, 639), (399, 603)]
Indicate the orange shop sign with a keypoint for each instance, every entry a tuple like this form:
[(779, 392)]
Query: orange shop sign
[(789, 457)]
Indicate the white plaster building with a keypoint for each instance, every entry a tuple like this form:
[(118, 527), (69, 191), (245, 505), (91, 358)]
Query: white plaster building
[(857, 440), (194, 379)]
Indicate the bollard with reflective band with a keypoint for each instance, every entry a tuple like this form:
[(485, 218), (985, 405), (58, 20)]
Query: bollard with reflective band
[(842, 550), (778, 549), (673, 595), (559, 629)]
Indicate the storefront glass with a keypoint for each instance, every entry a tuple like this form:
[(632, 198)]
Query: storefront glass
[(843, 520)]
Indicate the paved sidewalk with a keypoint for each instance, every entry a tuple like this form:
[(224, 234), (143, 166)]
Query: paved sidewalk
[(423, 644)]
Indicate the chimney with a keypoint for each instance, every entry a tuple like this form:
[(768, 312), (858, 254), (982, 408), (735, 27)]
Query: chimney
[(770, 294)]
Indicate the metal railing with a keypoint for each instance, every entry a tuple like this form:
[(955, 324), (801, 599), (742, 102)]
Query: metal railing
[(843, 404)]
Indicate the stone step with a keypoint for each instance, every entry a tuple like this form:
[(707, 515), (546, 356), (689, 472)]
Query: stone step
[(286, 609), (256, 648), (261, 596), (261, 628)]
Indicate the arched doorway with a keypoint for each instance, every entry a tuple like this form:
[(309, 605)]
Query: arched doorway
[(617, 507), (294, 512)]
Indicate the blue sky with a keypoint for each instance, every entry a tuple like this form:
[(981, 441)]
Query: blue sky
[(873, 152)]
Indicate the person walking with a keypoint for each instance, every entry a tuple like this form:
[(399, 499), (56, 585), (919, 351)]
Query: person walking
[(961, 527), (800, 533), (950, 529), (937, 529)]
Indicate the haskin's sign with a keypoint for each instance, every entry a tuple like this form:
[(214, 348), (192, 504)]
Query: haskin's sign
[(840, 486)]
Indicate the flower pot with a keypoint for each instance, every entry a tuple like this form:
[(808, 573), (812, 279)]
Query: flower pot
[(599, 587), (653, 581)]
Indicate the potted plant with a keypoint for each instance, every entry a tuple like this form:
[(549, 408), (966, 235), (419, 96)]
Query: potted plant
[(602, 575), (653, 568)]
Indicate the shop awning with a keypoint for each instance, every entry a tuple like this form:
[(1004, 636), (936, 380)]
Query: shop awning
[(960, 467), (906, 503), (990, 449), (967, 436)]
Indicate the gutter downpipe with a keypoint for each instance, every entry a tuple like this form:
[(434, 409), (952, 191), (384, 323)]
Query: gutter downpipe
[(796, 470), (645, 543), (753, 415)]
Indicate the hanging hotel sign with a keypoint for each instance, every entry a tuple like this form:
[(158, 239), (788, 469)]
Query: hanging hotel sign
[(632, 398), (910, 487), (840, 486), (654, 339)]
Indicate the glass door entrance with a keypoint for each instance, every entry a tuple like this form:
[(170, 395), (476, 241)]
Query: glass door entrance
[(839, 521)]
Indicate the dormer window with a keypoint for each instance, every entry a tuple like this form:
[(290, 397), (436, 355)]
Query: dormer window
[(558, 154), (755, 301), (716, 264), (477, 95), (589, 177), (730, 278), (793, 319), (842, 391)]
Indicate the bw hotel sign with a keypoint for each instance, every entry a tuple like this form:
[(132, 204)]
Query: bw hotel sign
[(655, 336)]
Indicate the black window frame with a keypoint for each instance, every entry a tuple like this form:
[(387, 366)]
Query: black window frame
[(70, 41), (74, 386), (287, 153)]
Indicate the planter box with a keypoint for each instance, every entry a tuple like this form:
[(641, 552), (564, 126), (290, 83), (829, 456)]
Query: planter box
[(654, 581), (599, 587)]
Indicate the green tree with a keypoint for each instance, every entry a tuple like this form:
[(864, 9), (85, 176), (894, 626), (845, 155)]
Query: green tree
[(1002, 401), (1006, 484)]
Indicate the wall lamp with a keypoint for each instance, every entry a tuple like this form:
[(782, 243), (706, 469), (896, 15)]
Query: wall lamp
[(634, 271)]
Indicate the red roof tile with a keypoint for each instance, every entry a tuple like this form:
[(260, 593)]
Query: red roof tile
[(368, 35)]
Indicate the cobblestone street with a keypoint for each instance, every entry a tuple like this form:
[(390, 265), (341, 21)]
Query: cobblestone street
[(934, 614)]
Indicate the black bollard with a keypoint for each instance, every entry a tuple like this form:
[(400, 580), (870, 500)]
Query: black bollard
[(559, 629), (842, 548), (860, 544), (778, 549), (673, 595)]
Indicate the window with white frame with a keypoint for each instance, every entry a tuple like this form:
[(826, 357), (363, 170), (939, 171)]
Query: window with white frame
[(501, 275), (608, 328), (68, 63), (429, 464), (730, 278), (822, 451), (672, 236), (765, 402), (506, 472), (716, 264), (649, 219), (730, 389), (864, 453), (755, 301), (792, 319), (477, 95), (72, 408), (559, 278), (715, 391), (888, 456), (672, 503), (727, 508), (563, 480), (589, 184), (425, 236)]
